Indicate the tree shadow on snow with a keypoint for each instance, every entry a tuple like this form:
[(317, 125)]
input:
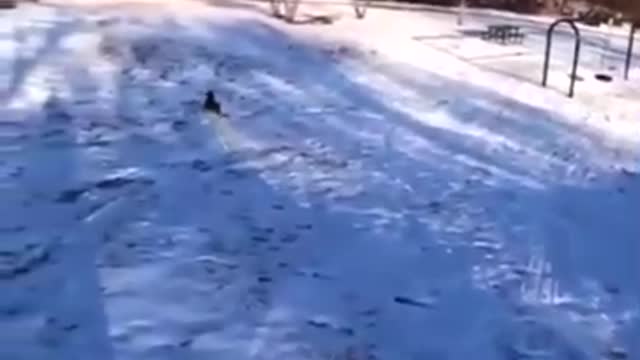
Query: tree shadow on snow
[(51, 303), (324, 219)]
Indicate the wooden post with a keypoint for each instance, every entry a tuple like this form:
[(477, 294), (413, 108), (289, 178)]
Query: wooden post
[(461, 8)]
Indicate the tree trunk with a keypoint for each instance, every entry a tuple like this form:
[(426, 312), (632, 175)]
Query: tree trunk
[(7, 4)]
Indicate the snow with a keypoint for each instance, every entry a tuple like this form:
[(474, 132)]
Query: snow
[(368, 197)]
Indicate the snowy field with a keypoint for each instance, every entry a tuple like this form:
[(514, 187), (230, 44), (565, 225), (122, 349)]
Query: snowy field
[(369, 196)]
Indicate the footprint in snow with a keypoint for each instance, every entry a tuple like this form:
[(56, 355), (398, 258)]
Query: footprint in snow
[(268, 230), (313, 274), (370, 312), (260, 238), (617, 353), (19, 262), (611, 289), (278, 207), (200, 165), (321, 324), (70, 196), (119, 181), (424, 304), (289, 238), (435, 207), (53, 133), (179, 125), (226, 192), (236, 173), (185, 343), (12, 230), (304, 226), (13, 310), (324, 324)]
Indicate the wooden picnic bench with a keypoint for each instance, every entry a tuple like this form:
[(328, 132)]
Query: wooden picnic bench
[(286, 9), (504, 33)]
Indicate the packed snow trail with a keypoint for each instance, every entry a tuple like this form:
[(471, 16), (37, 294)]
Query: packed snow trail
[(366, 198)]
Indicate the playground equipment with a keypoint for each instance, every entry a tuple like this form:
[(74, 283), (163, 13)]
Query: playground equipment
[(605, 68), (576, 53), (627, 63), (286, 9)]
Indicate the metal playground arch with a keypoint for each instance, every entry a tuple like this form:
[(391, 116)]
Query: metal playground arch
[(287, 9), (576, 52), (627, 63)]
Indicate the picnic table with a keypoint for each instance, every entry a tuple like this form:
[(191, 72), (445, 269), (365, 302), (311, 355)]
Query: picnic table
[(286, 9), (505, 33)]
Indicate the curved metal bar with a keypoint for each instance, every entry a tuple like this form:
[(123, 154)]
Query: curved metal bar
[(576, 53), (627, 64), (360, 7), (275, 10), (284, 9), (291, 7)]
